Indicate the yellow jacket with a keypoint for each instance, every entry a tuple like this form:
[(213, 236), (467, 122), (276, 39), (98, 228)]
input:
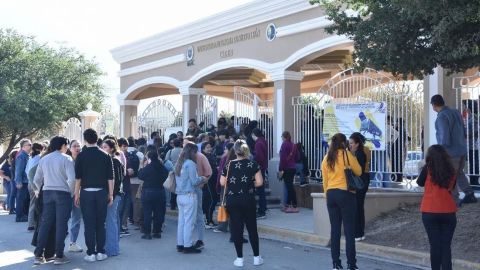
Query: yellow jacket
[(336, 178)]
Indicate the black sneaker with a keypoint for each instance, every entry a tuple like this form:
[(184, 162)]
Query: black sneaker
[(180, 248), (191, 250), (31, 229), (125, 233), (470, 198), (157, 235), (261, 216), (352, 267), (147, 237), (337, 266), (199, 244)]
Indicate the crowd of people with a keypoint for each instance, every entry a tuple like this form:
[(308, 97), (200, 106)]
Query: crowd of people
[(110, 182)]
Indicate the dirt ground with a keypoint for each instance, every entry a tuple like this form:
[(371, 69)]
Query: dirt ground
[(403, 228)]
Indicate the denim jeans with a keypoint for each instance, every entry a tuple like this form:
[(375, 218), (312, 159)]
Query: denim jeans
[(57, 206), (22, 202), (440, 229), (124, 209), (153, 202), (94, 212), (341, 205), (200, 221), (7, 188), (13, 197), (31, 207), (187, 216), (75, 220), (299, 170), (112, 246)]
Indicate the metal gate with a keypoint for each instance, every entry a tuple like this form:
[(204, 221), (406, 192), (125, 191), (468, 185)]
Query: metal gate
[(158, 116), (467, 91), (404, 122), (248, 107), (207, 111), (72, 129)]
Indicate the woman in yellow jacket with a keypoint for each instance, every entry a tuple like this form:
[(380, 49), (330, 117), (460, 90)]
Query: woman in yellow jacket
[(341, 202)]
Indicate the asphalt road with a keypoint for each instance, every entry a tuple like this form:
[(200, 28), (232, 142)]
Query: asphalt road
[(138, 254)]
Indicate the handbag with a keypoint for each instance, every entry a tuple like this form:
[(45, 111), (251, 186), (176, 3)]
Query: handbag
[(170, 184), (354, 182), (222, 214)]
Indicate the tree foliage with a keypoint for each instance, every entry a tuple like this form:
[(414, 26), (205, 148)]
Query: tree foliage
[(409, 37), (40, 86)]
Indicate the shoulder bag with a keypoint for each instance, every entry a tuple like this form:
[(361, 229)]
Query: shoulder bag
[(170, 184), (222, 215), (354, 182)]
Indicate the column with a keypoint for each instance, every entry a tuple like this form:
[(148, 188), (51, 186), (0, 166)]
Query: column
[(88, 118), (286, 86), (190, 104), (128, 118), (441, 84)]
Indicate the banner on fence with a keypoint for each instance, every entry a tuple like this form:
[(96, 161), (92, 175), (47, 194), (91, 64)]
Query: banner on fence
[(367, 118)]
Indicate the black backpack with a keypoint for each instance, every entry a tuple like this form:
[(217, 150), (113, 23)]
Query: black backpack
[(133, 162)]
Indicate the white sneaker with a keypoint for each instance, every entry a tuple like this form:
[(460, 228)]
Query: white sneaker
[(90, 258), (257, 260), (358, 239), (74, 247), (238, 262), (101, 257)]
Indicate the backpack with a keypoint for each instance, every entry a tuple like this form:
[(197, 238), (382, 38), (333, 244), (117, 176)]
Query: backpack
[(133, 162)]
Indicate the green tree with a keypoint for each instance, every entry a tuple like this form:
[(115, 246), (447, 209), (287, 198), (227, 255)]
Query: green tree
[(41, 86), (409, 37)]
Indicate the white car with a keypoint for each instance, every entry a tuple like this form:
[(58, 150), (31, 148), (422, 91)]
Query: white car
[(412, 164)]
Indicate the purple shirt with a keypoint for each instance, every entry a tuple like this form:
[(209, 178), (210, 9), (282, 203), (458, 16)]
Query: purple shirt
[(261, 153), (288, 156)]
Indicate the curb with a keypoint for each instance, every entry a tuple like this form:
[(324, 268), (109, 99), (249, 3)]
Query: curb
[(395, 255)]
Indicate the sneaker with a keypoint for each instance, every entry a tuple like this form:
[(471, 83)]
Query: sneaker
[(363, 238), (31, 229), (38, 260), (101, 256), (337, 266), (261, 216), (215, 230), (352, 267), (210, 225), (47, 260), (470, 198), (180, 248), (358, 239), (284, 209), (303, 184), (147, 237), (125, 233), (199, 244), (157, 235), (238, 262), (74, 247), (191, 250), (257, 260), (61, 260), (90, 258), (292, 210)]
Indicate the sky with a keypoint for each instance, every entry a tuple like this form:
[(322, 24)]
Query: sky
[(94, 27)]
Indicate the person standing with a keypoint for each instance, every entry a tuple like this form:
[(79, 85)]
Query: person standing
[(287, 170), (21, 180), (172, 156), (261, 157), (438, 207), (76, 215), (210, 196), (450, 133), (32, 163), (240, 177), (358, 149), (187, 180), (13, 186), (94, 193), (153, 176), (341, 202), (6, 174), (56, 174)]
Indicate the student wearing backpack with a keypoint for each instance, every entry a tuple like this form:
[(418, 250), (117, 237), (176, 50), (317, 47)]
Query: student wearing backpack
[(301, 165), (134, 160)]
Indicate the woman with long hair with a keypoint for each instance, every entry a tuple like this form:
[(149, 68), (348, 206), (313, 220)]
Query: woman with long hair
[(341, 202), (74, 149), (153, 176), (287, 170), (112, 239), (362, 153), (210, 196), (240, 177), (187, 178), (438, 207)]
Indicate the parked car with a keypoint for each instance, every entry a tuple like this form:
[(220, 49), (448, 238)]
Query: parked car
[(412, 164)]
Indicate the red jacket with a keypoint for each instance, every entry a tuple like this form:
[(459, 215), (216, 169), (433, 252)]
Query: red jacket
[(436, 199)]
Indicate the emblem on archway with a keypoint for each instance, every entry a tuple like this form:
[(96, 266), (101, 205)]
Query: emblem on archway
[(271, 32), (190, 54)]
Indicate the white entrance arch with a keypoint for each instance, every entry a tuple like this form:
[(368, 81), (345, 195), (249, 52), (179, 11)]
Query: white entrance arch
[(148, 81)]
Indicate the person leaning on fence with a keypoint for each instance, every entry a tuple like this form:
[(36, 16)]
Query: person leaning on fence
[(438, 206), (240, 177), (341, 202)]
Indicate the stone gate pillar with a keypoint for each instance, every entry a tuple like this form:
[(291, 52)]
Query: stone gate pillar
[(128, 118), (88, 118), (190, 104)]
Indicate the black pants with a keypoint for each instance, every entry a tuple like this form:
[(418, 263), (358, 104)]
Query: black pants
[(242, 213), (23, 202), (360, 213), (440, 229), (173, 201), (210, 199), (153, 203), (57, 206), (94, 212), (288, 176), (341, 206)]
